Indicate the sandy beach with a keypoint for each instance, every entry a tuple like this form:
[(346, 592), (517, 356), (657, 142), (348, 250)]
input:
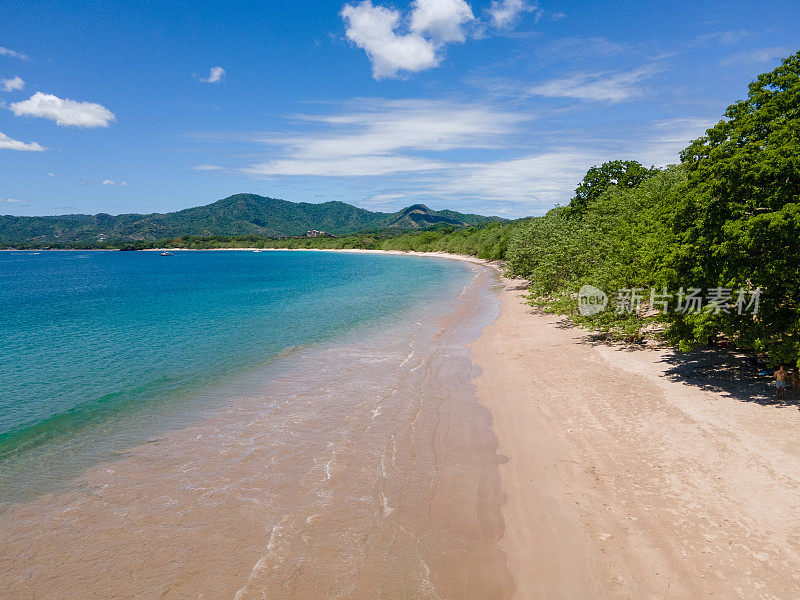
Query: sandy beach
[(535, 463), (626, 481)]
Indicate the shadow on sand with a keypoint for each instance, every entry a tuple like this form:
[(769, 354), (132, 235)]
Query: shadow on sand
[(732, 373)]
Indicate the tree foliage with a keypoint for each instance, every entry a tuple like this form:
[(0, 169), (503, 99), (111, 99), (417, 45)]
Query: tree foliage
[(727, 218), (621, 241), (738, 223), (620, 173)]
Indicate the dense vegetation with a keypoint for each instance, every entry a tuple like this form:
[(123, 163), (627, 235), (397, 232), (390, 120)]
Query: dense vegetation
[(738, 218), (238, 215), (620, 241), (621, 173), (726, 219)]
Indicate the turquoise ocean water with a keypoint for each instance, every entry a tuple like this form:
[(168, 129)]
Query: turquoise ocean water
[(100, 349)]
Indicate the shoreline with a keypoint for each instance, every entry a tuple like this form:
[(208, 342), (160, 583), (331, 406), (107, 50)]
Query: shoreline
[(462, 257), (367, 465), (624, 482)]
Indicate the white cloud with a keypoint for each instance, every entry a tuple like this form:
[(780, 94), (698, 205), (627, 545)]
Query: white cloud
[(413, 43), (609, 87), (12, 85), (442, 20), (537, 180), (505, 13), (348, 166), (12, 54), (386, 126), (112, 182), (64, 112), (214, 76), (374, 29), (724, 38), (541, 180), (398, 43), (207, 168), (383, 199), (758, 56), (6, 143), (668, 138), (10, 200), (377, 139), (475, 157)]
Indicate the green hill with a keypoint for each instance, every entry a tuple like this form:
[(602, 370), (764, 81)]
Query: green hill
[(241, 214)]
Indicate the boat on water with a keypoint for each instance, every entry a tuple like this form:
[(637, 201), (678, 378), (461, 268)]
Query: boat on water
[(165, 253), (257, 250)]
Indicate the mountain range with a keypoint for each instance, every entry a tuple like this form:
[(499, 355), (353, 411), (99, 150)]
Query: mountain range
[(240, 214)]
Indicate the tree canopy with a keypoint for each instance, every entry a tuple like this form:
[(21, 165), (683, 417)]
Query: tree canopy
[(622, 173), (726, 219), (738, 223)]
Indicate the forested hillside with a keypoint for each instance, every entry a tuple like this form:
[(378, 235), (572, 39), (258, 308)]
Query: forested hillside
[(238, 215)]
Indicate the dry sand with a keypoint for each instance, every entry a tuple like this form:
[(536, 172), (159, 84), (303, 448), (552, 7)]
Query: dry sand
[(625, 482)]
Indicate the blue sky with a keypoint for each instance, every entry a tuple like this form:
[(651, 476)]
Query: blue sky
[(496, 106)]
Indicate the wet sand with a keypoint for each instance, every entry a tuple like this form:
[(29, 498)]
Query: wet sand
[(625, 483), (366, 469)]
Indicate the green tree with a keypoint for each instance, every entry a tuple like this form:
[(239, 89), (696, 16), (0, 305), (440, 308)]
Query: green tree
[(621, 241), (739, 221), (622, 173)]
